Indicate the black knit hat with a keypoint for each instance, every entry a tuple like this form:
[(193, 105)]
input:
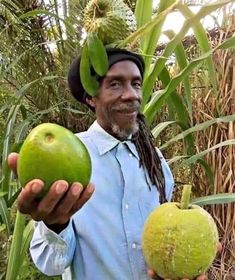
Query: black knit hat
[(114, 55)]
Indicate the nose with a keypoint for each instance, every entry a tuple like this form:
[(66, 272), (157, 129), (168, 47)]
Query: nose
[(130, 94)]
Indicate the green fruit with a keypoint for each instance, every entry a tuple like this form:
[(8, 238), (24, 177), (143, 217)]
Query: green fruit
[(179, 241), (112, 21), (51, 152)]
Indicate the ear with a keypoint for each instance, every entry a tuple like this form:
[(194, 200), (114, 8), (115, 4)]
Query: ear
[(91, 102)]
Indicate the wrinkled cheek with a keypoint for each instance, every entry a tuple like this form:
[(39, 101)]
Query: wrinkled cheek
[(109, 118)]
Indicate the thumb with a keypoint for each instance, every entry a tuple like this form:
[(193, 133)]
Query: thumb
[(12, 162), (153, 275)]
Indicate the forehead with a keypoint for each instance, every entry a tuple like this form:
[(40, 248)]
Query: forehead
[(124, 68)]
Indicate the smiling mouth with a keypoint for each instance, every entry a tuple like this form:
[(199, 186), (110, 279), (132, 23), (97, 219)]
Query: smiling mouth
[(130, 110), (127, 112)]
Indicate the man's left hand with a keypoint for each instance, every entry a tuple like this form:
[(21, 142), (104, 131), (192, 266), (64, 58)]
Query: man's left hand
[(154, 275)]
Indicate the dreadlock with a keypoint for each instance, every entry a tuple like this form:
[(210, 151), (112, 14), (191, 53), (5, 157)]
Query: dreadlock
[(149, 158)]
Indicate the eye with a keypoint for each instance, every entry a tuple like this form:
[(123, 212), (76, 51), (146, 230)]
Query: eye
[(137, 84), (115, 84)]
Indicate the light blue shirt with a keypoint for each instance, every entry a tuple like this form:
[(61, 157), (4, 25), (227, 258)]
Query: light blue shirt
[(103, 239)]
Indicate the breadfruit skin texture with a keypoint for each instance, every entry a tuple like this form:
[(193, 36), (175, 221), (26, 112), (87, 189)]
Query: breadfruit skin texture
[(179, 243)]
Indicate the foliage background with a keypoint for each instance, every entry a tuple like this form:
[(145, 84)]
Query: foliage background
[(189, 102)]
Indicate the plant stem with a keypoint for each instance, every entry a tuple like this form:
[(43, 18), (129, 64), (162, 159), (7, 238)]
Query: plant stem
[(185, 199), (14, 261)]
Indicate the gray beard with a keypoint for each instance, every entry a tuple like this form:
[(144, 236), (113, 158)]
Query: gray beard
[(124, 133)]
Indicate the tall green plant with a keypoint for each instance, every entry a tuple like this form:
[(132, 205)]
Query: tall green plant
[(34, 58), (37, 46), (153, 101)]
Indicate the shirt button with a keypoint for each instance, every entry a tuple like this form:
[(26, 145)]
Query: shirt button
[(130, 155), (133, 245), (126, 206)]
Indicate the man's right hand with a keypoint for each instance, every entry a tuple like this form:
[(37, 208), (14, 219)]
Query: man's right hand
[(59, 204)]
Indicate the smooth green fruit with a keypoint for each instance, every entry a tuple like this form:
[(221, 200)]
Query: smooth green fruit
[(51, 152), (179, 243)]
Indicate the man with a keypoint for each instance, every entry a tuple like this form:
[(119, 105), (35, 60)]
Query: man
[(98, 233)]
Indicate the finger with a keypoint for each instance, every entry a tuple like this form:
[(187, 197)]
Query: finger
[(26, 202), (12, 161), (85, 196), (201, 277), (49, 202), (219, 248), (153, 275), (67, 203), (82, 194)]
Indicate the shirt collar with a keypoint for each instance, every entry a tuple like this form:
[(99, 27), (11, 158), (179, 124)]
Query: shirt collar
[(106, 142)]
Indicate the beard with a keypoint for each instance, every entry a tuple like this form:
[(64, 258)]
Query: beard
[(124, 133)]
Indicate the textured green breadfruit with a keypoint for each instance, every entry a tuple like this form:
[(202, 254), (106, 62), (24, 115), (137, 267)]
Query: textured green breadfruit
[(112, 21), (179, 243), (51, 152)]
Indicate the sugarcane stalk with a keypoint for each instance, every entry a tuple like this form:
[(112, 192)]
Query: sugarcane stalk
[(14, 260)]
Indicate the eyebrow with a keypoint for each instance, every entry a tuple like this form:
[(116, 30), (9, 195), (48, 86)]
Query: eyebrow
[(121, 77)]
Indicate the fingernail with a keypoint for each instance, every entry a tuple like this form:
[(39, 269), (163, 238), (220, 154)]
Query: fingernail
[(36, 188), (90, 188), (61, 188), (77, 188)]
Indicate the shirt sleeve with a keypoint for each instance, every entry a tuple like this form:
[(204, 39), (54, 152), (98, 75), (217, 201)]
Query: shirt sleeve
[(52, 253), (169, 180)]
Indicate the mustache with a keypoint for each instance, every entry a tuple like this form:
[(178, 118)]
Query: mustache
[(129, 106)]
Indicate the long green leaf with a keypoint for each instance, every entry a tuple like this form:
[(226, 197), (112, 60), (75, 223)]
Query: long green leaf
[(157, 100), (143, 11), (208, 171), (182, 61), (38, 12), (22, 91), (19, 135), (223, 198), (143, 14), (6, 147), (176, 107), (97, 54), (174, 101), (2, 194), (198, 127), (198, 156), (60, 47), (11, 65), (27, 236), (204, 44), (175, 159), (89, 83), (151, 79), (165, 78), (6, 178), (160, 127), (147, 27), (13, 264), (155, 33), (5, 215)]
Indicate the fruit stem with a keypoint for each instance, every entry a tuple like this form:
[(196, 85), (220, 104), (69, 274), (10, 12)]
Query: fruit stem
[(185, 199)]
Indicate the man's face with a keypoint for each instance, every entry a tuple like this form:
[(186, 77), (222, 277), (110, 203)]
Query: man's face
[(118, 100)]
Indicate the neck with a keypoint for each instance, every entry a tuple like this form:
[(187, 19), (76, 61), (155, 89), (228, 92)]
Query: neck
[(118, 133)]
